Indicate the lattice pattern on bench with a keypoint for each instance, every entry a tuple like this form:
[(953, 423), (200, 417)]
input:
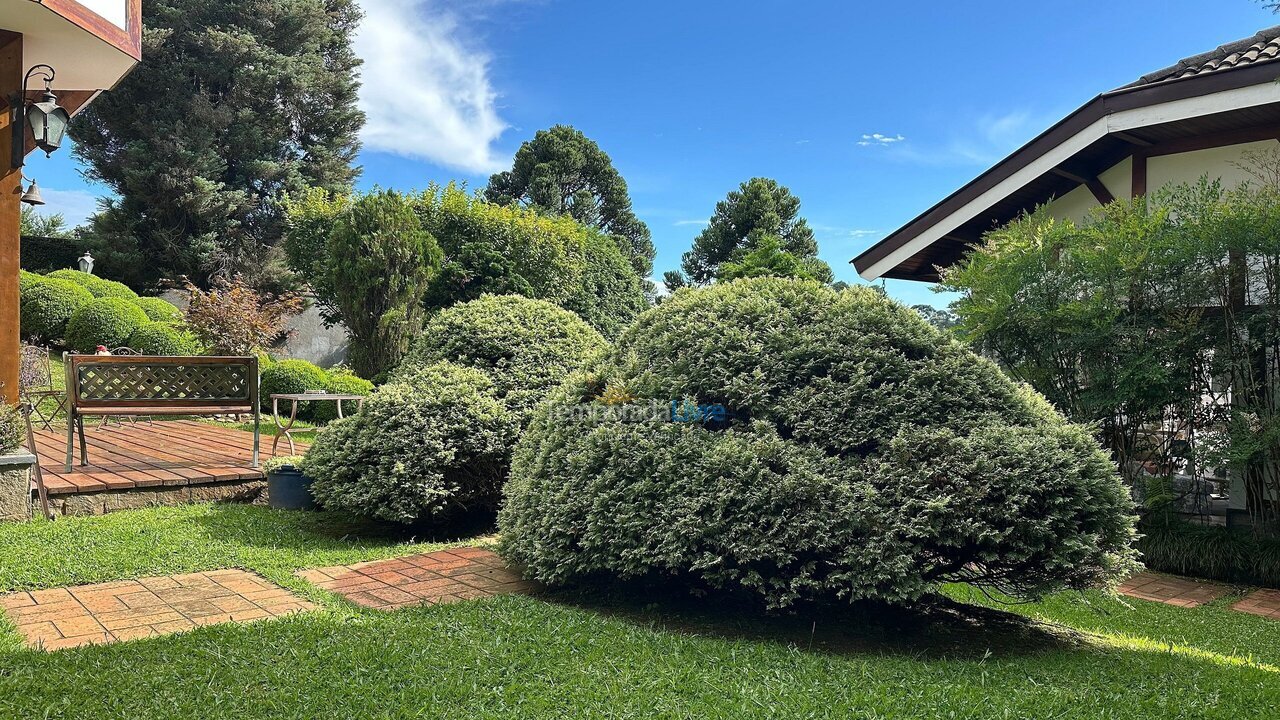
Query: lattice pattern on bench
[(142, 381)]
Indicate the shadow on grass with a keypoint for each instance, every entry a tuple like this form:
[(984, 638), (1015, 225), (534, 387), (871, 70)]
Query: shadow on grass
[(937, 628), (256, 526)]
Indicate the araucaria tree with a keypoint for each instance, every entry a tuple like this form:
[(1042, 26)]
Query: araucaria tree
[(747, 235), (235, 105), (563, 172), (379, 264)]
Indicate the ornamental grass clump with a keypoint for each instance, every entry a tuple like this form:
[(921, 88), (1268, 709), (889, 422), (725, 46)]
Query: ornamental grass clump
[(843, 449), (430, 445)]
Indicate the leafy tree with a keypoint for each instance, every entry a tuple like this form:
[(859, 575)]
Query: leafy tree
[(488, 249), (232, 318), (235, 105), (379, 263), (563, 172), (766, 258), (759, 209), (941, 319), (33, 224)]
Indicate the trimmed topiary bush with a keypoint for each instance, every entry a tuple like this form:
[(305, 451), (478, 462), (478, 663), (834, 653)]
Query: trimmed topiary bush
[(288, 377), (433, 443), (342, 381), (527, 347), (159, 310), (47, 306), (164, 339), (101, 288), (845, 449), (103, 321), (28, 280)]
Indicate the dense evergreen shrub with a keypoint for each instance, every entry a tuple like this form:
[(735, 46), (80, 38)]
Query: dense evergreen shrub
[(527, 347), (48, 305), (159, 310), (427, 445), (341, 381), (28, 280), (862, 454), (103, 321), (288, 377), (158, 338), (100, 287)]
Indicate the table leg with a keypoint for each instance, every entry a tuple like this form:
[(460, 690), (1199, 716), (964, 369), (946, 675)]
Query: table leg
[(293, 415)]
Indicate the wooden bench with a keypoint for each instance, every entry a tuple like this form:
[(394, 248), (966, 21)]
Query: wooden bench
[(99, 385)]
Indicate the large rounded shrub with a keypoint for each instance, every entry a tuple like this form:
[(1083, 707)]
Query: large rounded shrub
[(104, 321), (159, 310), (28, 280), (100, 287), (340, 381), (48, 305), (430, 444), (527, 347), (845, 449), (158, 338), (289, 377)]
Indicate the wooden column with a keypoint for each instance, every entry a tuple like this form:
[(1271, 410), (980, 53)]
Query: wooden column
[(10, 219)]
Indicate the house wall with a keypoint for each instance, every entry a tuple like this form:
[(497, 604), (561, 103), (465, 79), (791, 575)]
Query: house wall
[(1222, 163)]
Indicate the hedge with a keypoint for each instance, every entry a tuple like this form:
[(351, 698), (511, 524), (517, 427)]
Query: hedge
[(104, 321), (159, 310), (428, 446), (47, 306), (844, 449), (340, 381), (100, 287), (157, 338), (289, 377)]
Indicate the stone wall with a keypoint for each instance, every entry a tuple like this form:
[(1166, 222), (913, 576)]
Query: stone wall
[(309, 339), (15, 487)]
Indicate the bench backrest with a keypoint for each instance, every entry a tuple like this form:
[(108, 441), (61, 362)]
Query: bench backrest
[(151, 381)]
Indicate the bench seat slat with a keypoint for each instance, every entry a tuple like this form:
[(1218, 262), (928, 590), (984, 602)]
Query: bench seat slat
[(165, 410)]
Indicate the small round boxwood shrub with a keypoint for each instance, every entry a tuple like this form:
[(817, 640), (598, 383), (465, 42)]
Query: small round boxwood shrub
[(100, 287), (527, 347), (164, 339), (289, 377), (159, 310), (28, 280), (104, 321), (47, 306), (345, 382), (430, 444), (860, 454)]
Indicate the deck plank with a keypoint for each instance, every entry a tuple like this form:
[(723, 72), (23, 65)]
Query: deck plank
[(142, 455)]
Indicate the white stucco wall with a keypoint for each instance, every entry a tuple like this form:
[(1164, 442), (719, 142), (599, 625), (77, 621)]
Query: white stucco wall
[(1221, 163)]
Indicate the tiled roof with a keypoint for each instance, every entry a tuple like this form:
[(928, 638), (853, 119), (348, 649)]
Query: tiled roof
[(1261, 48)]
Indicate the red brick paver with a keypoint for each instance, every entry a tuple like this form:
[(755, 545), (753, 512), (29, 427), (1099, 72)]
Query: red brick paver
[(128, 609), (429, 579), (1261, 602), (1171, 590)]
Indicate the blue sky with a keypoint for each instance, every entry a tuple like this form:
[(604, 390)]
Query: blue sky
[(691, 98)]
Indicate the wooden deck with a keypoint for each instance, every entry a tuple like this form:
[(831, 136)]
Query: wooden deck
[(162, 453)]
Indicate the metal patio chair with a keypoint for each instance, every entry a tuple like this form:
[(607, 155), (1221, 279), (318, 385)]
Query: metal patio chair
[(35, 386)]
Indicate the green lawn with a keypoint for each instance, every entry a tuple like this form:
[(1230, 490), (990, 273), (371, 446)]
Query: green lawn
[(1086, 656)]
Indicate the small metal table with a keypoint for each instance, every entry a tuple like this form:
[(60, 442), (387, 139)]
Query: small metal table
[(294, 398)]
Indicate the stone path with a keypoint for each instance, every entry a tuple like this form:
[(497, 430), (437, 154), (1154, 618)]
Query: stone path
[(438, 577), (1171, 590), (1261, 602), (128, 609)]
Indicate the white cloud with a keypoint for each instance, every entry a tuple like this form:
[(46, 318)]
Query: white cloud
[(879, 140), (75, 205), (980, 142), (863, 233), (425, 86), (681, 223)]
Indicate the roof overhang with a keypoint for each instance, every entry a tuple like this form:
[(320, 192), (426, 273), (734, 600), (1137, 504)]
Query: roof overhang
[(91, 45), (1103, 131)]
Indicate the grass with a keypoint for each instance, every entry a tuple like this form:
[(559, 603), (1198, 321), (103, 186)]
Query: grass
[(1072, 655)]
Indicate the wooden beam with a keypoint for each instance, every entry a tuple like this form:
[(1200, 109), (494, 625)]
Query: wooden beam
[(1213, 140), (1139, 184), (1077, 179), (1131, 139), (10, 221), (1100, 191)]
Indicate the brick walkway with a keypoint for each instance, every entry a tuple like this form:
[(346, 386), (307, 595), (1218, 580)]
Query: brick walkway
[(107, 612), (438, 577), (1171, 590), (1261, 602)]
